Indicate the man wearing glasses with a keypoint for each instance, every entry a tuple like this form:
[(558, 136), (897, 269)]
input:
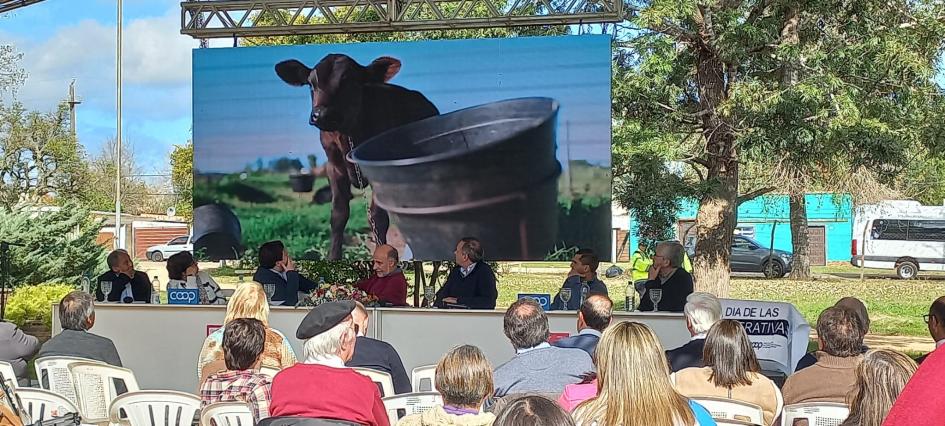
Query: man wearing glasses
[(936, 322), (669, 284)]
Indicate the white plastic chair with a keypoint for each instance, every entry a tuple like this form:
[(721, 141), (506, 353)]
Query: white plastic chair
[(411, 403), (384, 379), (780, 406), (269, 372), (42, 404), (730, 409), (96, 388), (420, 375), (55, 369), (227, 414), (816, 413), (732, 422), (6, 370), (155, 408)]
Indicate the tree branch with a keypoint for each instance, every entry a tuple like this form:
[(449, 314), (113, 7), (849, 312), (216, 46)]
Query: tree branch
[(753, 194)]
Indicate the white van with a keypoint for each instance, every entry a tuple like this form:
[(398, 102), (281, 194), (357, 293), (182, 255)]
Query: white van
[(901, 235)]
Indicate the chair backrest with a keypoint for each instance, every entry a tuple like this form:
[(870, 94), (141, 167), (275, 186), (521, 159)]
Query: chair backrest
[(303, 421), (724, 408), (96, 388), (780, 398), (7, 374), (816, 413), (42, 404), (383, 379), (411, 403), (227, 414), (732, 422), (155, 408), (53, 374), (421, 376)]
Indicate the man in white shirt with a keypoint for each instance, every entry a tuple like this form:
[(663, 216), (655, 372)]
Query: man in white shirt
[(936, 322)]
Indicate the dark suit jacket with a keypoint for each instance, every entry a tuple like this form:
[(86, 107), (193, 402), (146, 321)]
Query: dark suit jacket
[(477, 290), (381, 356), (286, 290), (675, 291), (585, 342), (574, 283), (140, 286), (685, 356)]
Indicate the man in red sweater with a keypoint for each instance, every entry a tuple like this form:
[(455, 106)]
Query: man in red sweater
[(388, 284), (922, 402), (320, 386)]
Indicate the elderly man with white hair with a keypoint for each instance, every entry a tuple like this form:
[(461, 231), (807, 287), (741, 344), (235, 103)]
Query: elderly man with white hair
[(321, 387), (702, 311), (668, 278)]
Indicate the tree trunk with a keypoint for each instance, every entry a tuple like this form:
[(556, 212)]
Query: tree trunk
[(799, 237), (715, 226)]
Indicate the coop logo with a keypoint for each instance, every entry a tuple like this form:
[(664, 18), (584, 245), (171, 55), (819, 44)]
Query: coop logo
[(542, 299), (183, 296)]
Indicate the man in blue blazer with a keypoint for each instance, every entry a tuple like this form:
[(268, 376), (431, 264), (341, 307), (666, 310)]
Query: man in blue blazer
[(276, 267), (593, 318)]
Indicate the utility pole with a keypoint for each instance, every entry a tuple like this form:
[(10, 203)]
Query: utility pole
[(72, 103), (119, 241)]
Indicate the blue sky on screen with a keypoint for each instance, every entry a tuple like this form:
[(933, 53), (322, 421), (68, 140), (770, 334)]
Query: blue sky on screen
[(243, 111)]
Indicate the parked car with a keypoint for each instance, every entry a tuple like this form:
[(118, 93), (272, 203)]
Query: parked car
[(749, 255), (161, 252), (901, 235)]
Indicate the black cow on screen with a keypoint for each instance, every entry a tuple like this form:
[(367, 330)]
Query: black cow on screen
[(350, 104)]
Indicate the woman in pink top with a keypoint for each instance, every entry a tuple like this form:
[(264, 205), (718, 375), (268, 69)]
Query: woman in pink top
[(575, 394)]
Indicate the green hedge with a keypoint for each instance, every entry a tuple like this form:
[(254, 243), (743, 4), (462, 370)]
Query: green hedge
[(34, 302)]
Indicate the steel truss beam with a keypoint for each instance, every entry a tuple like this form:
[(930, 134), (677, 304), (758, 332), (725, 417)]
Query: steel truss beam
[(247, 18), (8, 5)]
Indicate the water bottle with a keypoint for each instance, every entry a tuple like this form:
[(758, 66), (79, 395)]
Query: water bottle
[(629, 299), (155, 291), (584, 289)]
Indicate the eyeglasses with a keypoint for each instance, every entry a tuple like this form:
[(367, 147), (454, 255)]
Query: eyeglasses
[(926, 318)]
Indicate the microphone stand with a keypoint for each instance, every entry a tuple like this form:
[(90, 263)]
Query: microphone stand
[(5, 274)]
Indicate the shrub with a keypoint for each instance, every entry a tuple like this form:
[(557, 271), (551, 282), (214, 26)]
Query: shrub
[(34, 302)]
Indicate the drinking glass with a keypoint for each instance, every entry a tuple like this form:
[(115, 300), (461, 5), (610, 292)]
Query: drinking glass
[(269, 289), (565, 296), (656, 294), (106, 287)]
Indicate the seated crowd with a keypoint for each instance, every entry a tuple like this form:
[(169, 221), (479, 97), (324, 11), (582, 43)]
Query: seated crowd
[(607, 373)]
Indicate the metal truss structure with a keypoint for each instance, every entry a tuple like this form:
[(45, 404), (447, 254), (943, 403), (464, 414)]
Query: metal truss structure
[(8, 5), (248, 18)]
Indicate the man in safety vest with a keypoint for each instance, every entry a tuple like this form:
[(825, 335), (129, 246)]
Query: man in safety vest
[(640, 263)]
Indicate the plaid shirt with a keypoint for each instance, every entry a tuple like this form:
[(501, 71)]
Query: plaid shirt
[(239, 386)]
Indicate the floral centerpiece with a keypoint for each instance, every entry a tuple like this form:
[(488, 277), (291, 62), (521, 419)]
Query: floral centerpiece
[(330, 292)]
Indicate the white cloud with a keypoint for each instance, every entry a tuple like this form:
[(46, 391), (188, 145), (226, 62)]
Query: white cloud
[(156, 53)]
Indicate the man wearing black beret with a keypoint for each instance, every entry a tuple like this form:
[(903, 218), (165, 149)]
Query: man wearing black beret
[(321, 386)]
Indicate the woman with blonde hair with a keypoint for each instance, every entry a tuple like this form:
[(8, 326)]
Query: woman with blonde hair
[(248, 301), (731, 371), (633, 385), (880, 378), (464, 378)]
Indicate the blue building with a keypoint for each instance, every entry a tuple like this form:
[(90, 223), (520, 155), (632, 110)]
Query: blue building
[(829, 217)]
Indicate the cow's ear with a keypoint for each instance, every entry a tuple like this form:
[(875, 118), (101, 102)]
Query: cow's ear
[(293, 72), (384, 68)]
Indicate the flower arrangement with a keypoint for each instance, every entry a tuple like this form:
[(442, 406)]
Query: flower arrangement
[(330, 292)]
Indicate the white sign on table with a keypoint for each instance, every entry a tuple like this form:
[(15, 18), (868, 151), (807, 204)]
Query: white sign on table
[(777, 330)]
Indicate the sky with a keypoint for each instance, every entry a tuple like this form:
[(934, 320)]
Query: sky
[(243, 111)]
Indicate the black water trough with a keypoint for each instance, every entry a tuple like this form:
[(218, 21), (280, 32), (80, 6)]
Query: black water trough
[(217, 233), (488, 171)]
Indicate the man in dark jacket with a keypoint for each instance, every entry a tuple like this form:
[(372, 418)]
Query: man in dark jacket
[(377, 354), (77, 316), (668, 276), (581, 279), (278, 269), (702, 311), (471, 283), (593, 318), (122, 273), (16, 347)]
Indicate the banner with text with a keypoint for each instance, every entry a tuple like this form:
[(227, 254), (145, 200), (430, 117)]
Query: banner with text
[(777, 330)]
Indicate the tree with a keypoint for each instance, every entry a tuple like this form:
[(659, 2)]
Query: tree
[(137, 196), (58, 243), (724, 80), (182, 178), (11, 75)]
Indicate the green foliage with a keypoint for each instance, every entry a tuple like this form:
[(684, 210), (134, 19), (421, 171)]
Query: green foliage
[(34, 302), (59, 244), (336, 271), (182, 178)]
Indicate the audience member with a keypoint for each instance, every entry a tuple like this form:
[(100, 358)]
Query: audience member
[(181, 267), (376, 354), (77, 316), (731, 371), (532, 410), (936, 322), (388, 283), (582, 281), (125, 280), (321, 386), (879, 379), (922, 402), (243, 343), (16, 347), (471, 283), (667, 275), (840, 343), (593, 318), (277, 268), (702, 311), (640, 263), (248, 301), (633, 386), (857, 307), (537, 366), (464, 379)]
